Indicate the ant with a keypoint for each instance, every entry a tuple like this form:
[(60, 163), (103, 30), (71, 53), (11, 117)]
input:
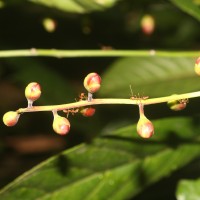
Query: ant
[(135, 97)]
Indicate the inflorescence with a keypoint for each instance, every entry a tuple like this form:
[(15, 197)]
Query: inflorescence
[(84, 105)]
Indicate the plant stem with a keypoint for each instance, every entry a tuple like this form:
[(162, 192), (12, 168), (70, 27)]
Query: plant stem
[(109, 101), (95, 53)]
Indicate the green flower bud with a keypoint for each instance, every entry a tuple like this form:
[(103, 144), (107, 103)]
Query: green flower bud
[(11, 118)]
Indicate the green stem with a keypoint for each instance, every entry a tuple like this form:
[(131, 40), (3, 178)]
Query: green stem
[(110, 101), (95, 53)]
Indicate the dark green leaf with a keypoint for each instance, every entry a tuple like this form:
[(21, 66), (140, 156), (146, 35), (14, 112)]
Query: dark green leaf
[(189, 6), (55, 88), (78, 6), (153, 77), (115, 166), (188, 190)]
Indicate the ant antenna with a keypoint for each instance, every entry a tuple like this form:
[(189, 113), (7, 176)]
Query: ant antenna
[(131, 90)]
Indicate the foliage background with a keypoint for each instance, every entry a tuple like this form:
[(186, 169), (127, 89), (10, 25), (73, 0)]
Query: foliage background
[(89, 25)]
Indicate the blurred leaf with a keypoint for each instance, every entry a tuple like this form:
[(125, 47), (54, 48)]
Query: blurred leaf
[(189, 6), (152, 77), (55, 88), (77, 6), (188, 190), (111, 167)]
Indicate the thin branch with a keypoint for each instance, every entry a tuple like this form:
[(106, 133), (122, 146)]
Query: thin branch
[(110, 101), (95, 53)]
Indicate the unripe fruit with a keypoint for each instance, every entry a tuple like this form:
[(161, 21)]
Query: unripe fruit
[(147, 24), (177, 105), (197, 66), (33, 91), (11, 118), (92, 82), (61, 125), (87, 112), (145, 127)]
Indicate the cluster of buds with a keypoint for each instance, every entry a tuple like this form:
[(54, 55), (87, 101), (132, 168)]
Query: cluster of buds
[(92, 84), (32, 93), (61, 125)]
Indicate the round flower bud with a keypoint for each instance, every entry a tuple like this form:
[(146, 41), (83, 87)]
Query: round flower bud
[(33, 91), (92, 82), (61, 125), (145, 127), (197, 66), (11, 118), (147, 24), (49, 24), (87, 112), (177, 105)]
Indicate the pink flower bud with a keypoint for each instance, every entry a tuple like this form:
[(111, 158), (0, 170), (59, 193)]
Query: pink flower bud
[(177, 105), (148, 24), (33, 91), (145, 127), (11, 118), (197, 66), (61, 125), (87, 112), (92, 82)]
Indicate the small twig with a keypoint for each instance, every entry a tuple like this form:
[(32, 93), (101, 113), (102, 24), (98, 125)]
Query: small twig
[(84, 103)]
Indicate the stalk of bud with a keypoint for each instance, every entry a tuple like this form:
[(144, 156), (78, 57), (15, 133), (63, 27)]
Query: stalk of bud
[(87, 112), (11, 118), (61, 125), (32, 92), (197, 66), (145, 128)]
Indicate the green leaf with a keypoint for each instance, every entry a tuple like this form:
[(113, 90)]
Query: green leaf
[(188, 190), (152, 77), (77, 6), (32, 70), (115, 166), (189, 6)]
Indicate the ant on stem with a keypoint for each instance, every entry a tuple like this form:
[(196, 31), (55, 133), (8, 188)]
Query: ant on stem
[(137, 97)]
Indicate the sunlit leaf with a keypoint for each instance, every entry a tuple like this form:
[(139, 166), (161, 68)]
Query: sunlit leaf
[(115, 166), (189, 6), (77, 6), (152, 77), (188, 190)]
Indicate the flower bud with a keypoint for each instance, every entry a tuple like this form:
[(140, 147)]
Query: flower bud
[(61, 125), (197, 66), (145, 127), (49, 24), (87, 112), (177, 105), (11, 118), (33, 91), (147, 24), (92, 82)]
